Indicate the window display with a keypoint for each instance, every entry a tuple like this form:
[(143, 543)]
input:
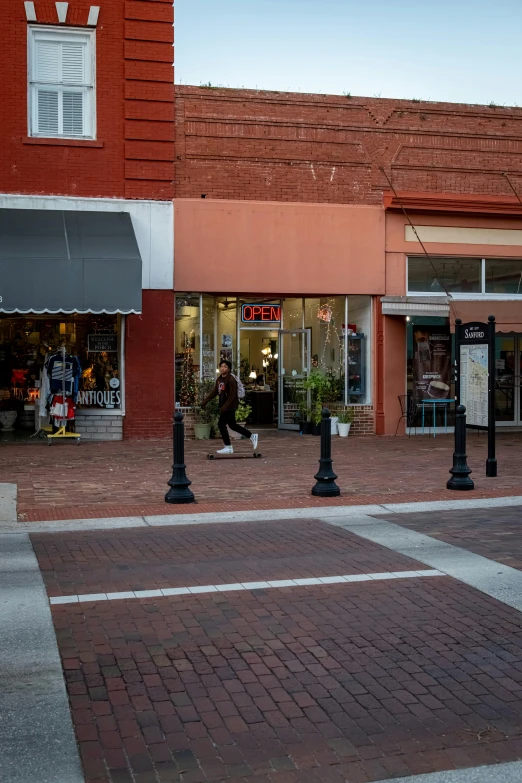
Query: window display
[(92, 342), (337, 342)]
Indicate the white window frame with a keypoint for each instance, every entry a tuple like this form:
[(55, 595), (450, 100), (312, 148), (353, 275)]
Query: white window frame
[(71, 34), (482, 294)]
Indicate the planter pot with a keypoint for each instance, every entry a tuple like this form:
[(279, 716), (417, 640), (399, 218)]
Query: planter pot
[(316, 429), (305, 427), (344, 429), (7, 419), (334, 422), (202, 431), (236, 435)]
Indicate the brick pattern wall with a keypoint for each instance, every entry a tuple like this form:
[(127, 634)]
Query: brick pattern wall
[(363, 421), (92, 426), (149, 368), (275, 146), (189, 421), (134, 152)]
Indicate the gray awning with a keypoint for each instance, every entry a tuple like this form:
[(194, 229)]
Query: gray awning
[(415, 305), (68, 262)]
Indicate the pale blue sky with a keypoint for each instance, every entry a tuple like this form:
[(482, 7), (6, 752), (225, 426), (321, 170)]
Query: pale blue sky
[(453, 50)]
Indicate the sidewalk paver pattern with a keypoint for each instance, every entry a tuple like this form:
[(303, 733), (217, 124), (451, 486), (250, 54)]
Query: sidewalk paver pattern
[(130, 478), (495, 533), (144, 558), (358, 682)]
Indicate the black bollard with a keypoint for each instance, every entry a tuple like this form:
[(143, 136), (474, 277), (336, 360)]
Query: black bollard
[(460, 472), (179, 491), (326, 486)]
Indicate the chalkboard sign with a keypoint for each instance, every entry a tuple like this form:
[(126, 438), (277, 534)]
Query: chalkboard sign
[(102, 343)]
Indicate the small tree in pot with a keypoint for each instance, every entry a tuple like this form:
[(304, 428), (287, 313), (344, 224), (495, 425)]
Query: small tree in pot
[(344, 422)]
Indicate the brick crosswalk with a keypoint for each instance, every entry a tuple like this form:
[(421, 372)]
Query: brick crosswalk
[(310, 683)]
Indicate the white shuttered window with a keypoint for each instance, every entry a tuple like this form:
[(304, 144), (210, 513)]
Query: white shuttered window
[(61, 83)]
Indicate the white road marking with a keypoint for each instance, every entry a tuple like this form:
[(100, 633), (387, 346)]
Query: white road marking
[(195, 589)]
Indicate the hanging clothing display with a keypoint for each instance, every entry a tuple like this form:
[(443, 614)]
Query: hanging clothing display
[(43, 402), (57, 365), (63, 374), (61, 410)]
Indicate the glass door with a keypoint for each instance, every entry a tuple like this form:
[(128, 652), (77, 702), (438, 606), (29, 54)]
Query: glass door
[(294, 367), (518, 377), (508, 397)]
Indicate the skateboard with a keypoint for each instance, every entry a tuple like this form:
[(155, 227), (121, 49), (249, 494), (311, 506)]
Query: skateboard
[(255, 455)]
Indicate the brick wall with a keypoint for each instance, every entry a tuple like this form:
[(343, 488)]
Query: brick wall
[(149, 368), (133, 154), (93, 426), (275, 146), (363, 416)]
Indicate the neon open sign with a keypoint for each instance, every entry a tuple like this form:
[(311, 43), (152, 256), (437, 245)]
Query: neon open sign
[(261, 313)]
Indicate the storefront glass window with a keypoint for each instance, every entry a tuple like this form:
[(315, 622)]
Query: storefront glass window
[(208, 359), (325, 317), (503, 276), (293, 313), (359, 349), (94, 339), (226, 328), (422, 328), (209, 329), (456, 275), (187, 363)]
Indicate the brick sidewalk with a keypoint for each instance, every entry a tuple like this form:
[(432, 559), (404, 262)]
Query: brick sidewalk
[(130, 478), (323, 684)]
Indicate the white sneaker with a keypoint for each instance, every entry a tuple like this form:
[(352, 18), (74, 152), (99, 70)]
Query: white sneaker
[(226, 450), (254, 438)]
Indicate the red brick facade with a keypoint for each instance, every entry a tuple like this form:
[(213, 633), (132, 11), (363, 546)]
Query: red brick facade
[(149, 368), (275, 146), (135, 105), (132, 158)]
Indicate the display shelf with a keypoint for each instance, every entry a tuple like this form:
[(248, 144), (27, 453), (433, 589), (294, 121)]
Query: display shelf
[(356, 365)]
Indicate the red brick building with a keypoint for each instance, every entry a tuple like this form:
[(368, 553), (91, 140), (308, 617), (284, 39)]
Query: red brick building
[(286, 198), (87, 132)]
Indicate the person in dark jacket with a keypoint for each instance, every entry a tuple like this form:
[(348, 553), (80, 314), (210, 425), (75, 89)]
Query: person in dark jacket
[(226, 390)]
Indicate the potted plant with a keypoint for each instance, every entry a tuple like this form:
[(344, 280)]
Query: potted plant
[(8, 412), (202, 425), (242, 413), (207, 417), (316, 420), (305, 424), (344, 422)]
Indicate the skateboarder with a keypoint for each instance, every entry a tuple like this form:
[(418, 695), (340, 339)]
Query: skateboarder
[(226, 389)]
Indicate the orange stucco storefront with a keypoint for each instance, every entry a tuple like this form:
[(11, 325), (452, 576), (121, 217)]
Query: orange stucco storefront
[(322, 264), (348, 264), (475, 256)]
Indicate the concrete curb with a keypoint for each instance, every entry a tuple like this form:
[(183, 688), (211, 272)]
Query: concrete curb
[(37, 742), (8, 503), (496, 773), (225, 517)]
